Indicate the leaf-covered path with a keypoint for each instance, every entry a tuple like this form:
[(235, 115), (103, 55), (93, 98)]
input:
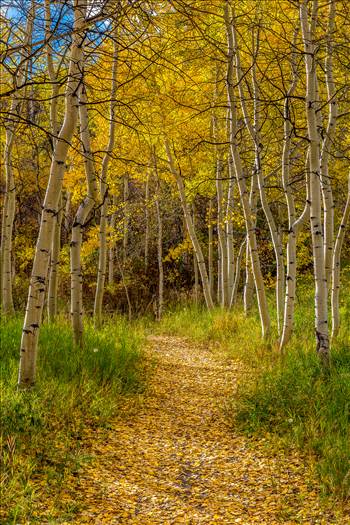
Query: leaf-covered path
[(177, 462)]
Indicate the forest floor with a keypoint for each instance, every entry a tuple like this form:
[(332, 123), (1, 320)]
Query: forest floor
[(174, 459)]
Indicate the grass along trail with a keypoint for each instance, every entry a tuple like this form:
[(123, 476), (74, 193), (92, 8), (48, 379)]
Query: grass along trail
[(175, 461)]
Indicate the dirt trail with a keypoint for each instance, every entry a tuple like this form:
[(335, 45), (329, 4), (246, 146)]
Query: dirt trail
[(176, 461)]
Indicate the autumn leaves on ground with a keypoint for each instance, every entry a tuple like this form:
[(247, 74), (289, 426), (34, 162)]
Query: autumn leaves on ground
[(177, 422)]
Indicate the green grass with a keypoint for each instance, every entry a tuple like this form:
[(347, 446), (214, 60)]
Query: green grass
[(289, 398), (78, 389)]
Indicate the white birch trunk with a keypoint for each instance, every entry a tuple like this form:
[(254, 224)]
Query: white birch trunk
[(146, 222), (321, 306), (336, 266), (229, 237), (9, 205), (241, 183), (102, 254), (237, 273), (56, 241), (191, 230), (111, 250), (126, 217), (210, 248), (38, 281), (159, 255), (326, 183), (80, 219)]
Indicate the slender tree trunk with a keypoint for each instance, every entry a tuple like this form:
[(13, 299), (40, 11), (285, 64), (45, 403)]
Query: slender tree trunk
[(111, 251), (210, 249), (9, 205), (81, 217), (237, 273), (102, 254), (326, 185), (38, 281), (191, 230), (126, 217), (159, 255), (248, 291), (336, 266), (229, 237), (321, 306), (241, 183), (294, 224), (56, 241), (147, 222), (223, 268), (54, 264)]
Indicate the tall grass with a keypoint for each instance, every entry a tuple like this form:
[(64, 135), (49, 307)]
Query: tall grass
[(77, 390), (289, 397)]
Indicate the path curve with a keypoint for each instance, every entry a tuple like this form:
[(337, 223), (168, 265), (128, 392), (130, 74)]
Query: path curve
[(176, 461)]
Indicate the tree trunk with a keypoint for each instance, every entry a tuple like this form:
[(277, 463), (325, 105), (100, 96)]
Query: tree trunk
[(241, 183), (147, 222), (38, 281), (9, 204), (336, 267), (81, 217), (321, 306), (210, 248), (159, 255), (191, 230), (102, 255), (54, 264), (56, 241), (326, 186)]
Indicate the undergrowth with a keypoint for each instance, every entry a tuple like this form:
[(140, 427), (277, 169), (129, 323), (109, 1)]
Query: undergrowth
[(77, 391), (290, 397)]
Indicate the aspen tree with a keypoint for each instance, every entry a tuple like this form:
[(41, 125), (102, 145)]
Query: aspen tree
[(38, 281), (9, 207), (111, 250), (102, 257), (146, 222), (294, 223), (254, 131), (210, 247), (190, 228), (56, 241), (82, 215), (241, 181), (126, 216), (326, 184), (160, 301), (229, 238), (237, 272), (321, 306), (336, 266)]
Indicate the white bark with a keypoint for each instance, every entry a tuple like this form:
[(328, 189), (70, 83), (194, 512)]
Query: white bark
[(321, 306), (56, 241), (254, 131), (241, 183), (229, 237), (190, 228), (159, 255), (38, 281), (210, 248), (80, 219), (102, 254), (146, 221), (237, 273), (336, 266), (9, 205), (326, 183), (126, 217)]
